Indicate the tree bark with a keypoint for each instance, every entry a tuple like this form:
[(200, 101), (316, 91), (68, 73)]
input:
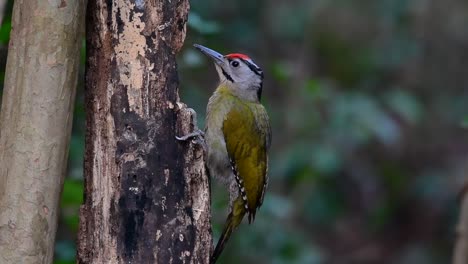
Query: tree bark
[(146, 194), (35, 124), (3, 4), (461, 243)]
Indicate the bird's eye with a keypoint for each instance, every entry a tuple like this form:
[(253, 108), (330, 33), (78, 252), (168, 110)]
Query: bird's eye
[(235, 63)]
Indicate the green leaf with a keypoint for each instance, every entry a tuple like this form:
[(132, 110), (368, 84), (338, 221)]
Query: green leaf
[(72, 193), (280, 72), (464, 122), (313, 86), (5, 32), (72, 221)]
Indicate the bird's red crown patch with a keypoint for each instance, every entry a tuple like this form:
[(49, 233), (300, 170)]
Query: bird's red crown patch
[(238, 55)]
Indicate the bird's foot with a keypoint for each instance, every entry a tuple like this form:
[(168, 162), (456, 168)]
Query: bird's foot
[(197, 136)]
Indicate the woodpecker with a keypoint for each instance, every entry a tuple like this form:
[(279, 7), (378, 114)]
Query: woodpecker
[(237, 137)]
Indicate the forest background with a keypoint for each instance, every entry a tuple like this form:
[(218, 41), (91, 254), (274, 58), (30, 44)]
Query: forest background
[(369, 107)]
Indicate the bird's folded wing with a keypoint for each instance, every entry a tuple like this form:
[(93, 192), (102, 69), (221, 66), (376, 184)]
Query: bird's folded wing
[(247, 134)]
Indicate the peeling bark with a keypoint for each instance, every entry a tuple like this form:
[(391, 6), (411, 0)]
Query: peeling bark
[(146, 194), (35, 125)]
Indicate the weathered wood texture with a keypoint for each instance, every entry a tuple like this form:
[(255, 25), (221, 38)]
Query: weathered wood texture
[(35, 124), (146, 194)]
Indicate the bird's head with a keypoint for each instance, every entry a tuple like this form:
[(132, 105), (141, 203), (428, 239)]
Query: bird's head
[(238, 72)]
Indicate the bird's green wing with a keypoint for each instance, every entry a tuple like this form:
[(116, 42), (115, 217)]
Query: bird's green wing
[(247, 133)]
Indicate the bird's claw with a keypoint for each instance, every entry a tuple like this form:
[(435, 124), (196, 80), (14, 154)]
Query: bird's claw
[(196, 134), (198, 137)]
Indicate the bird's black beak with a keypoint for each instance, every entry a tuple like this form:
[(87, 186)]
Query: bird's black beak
[(216, 56)]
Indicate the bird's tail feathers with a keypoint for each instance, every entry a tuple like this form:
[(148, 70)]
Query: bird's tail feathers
[(233, 220)]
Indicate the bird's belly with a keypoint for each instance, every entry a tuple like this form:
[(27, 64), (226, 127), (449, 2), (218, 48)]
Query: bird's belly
[(218, 160)]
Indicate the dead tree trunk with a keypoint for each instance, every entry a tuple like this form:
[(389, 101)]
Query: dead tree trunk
[(35, 125), (146, 194)]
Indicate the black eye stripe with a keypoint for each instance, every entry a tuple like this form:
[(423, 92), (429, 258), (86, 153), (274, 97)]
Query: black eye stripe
[(227, 75)]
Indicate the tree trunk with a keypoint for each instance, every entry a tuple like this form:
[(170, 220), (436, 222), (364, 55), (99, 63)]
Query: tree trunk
[(146, 194), (3, 4), (35, 125), (461, 243)]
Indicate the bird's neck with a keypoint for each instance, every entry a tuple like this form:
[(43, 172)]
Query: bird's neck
[(244, 93)]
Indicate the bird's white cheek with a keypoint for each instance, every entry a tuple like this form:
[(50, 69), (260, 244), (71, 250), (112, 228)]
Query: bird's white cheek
[(222, 78)]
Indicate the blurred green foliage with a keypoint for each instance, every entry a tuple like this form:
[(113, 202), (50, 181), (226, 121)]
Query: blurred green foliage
[(368, 102), (368, 107)]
